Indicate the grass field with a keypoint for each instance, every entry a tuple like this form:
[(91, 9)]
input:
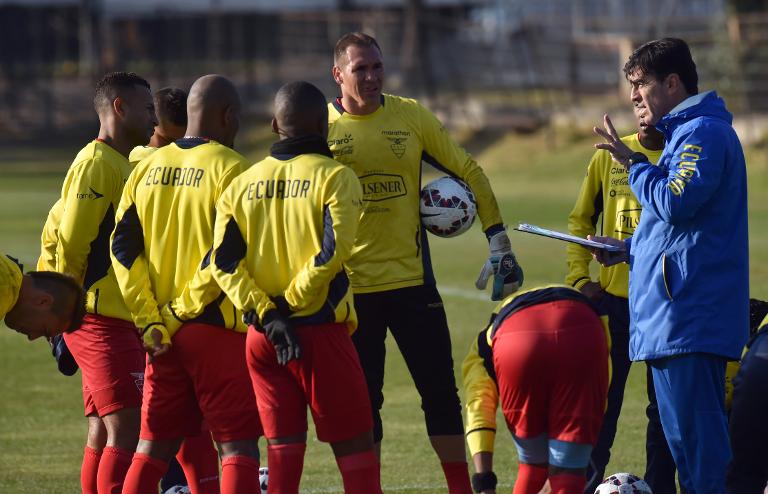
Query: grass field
[(42, 430)]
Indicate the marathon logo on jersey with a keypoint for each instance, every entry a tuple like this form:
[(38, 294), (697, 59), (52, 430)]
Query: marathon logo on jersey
[(398, 139), (686, 169), (174, 176), (138, 380), (278, 189), (627, 220), (91, 194), (382, 186)]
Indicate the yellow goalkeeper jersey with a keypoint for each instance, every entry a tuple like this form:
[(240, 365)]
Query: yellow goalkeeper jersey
[(284, 228), (386, 149), (604, 193), (10, 284), (164, 234), (89, 198), (49, 238)]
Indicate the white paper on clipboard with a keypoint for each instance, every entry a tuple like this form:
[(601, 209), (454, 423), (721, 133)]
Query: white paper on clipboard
[(537, 230)]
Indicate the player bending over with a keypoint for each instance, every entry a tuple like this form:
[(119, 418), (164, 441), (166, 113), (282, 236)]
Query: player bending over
[(195, 339), (283, 230), (544, 355)]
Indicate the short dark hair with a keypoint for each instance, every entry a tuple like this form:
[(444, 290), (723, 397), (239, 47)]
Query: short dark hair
[(661, 57), (64, 289), (299, 106), (171, 105), (112, 85), (355, 38)]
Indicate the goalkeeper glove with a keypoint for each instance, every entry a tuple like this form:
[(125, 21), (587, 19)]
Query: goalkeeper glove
[(280, 333), (507, 273), (64, 359)]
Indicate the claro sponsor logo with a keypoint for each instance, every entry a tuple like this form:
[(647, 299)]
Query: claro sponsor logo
[(382, 186)]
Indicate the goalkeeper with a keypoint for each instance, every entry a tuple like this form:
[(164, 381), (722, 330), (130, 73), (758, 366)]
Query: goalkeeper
[(385, 139)]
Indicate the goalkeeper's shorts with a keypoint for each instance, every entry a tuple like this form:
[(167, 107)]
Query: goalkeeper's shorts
[(551, 362)]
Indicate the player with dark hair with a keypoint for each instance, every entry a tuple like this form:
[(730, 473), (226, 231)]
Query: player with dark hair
[(385, 139), (689, 256), (605, 197), (171, 111), (544, 356), (284, 228), (106, 348), (194, 337), (39, 303)]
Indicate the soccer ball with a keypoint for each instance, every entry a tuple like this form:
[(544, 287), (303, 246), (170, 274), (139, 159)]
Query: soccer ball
[(178, 489), (263, 478), (623, 483), (447, 207)]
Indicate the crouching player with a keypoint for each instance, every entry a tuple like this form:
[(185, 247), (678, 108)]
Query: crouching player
[(283, 229), (544, 355)]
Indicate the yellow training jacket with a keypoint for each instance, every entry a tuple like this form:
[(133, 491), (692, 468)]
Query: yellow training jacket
[(89, 198), (386, 150), (284, 227), (139, 153), (605, 191), (164, 233), (10, 284), (49, 239), (481, 392)]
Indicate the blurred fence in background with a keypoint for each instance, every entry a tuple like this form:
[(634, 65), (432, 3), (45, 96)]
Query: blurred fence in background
[(51, 56)]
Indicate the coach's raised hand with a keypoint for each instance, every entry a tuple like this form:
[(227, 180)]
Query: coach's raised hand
[(620, 152), (280, 333)]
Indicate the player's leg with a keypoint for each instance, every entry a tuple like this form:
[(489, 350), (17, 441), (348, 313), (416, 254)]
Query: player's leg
[(369, 343), (748, 470), (617, 310), (94, 445), (420, 328), (122, 435), (533, 464), (659, 465), (283, 413), (198, 463)]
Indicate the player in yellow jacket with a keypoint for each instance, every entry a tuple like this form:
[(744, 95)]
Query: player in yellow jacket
[(171, 111), (605, 199), (106, 348), (385, 139), (38, 303), (544, 357), (196, 341), (284, 228)]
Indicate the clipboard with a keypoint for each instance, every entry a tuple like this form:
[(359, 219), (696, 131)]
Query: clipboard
[(566, 237)]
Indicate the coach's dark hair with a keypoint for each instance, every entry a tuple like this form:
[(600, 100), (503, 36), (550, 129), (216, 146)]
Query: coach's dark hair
[(171, 105), (112, 85), (68, 295), (661, 57), (357, 39)]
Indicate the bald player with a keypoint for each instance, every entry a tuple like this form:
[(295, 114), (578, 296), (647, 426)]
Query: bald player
[(284, 228), (171, 111), (194, 337), (107, 347)]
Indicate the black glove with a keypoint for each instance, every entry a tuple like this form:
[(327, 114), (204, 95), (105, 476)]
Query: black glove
[(64, 359), (251, 319), (280, 333)]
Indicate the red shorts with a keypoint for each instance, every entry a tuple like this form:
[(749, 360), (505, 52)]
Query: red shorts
[(111, 358), (328, 377), (203, 376), (551, 363)]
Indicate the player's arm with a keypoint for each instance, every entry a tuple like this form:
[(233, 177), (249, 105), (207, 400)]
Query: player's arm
[(132, 271), (341, 215), (49, 238), (87, 196), (694, 174), (583, 221)]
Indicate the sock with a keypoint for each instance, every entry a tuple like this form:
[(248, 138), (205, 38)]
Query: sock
[(530, 479), (567, 483), (144, 475), (200, 462), (113, 466), (89, 470), (361, 473), (239, 475), (285, 462), (457, 477)]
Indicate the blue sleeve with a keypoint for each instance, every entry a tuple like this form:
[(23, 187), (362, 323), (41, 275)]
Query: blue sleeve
[(692, 176)]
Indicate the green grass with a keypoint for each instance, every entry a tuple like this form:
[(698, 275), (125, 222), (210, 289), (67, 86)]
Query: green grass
[(42, 430)]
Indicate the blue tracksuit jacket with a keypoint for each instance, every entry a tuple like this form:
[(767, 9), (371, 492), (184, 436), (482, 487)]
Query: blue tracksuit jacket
[(689, 256)]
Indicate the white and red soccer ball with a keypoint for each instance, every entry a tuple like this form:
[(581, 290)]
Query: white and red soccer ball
[(447, 207), (623, 483)]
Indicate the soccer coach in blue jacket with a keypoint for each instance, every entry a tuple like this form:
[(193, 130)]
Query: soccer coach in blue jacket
[(688, 258)]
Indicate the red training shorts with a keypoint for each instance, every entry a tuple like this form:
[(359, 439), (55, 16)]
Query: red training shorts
[(111, 358), (203, 376), (551, 363), (327, 377)]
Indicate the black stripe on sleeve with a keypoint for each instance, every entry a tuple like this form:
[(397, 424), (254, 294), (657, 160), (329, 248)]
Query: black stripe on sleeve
[(329, 239), (232, 248), (128, 241)]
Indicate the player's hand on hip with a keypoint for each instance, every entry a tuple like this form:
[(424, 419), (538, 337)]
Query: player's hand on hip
[(620, 152), (280, 332), (608, 257), (502, 264), (156, 342)]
